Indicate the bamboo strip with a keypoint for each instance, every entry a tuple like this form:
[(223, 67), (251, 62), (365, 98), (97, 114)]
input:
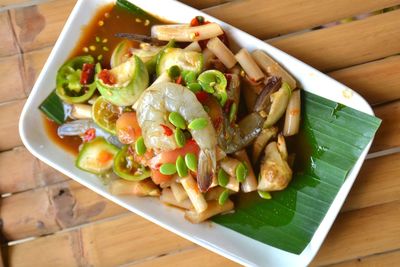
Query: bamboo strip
[(8, 44), (121, 240), (12, 87), (21, 171), (388, 134), (33, 64), (194, 257), (356, 234), (391, 258), (377, 81), (275, 18), (50, 209), (9, 136), (377, 183), (45, 23), (346, 45)]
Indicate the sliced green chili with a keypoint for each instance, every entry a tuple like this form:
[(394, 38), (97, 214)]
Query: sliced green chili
[(214, 82), (174, 72)]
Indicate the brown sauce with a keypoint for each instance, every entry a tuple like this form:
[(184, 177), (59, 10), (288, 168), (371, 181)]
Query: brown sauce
[(98, 40), (69, 143)]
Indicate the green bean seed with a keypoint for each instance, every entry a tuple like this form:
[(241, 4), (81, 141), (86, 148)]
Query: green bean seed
[(190, 77), (181, 167), (264, 194), (180, 137), (174, 72), (194, 87), (223, 197), (140, 147), (198, 124), (168, 169), (232, 112), (177, 120), (241, 172), (223, 178), (191, 162)]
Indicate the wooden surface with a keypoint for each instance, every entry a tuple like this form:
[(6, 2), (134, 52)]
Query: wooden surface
[(49, 220)]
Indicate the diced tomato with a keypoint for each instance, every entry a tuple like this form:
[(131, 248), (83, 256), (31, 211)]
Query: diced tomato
[(142, 159), (107, 77), (87, 74), (171, 156), (104, 157), (89, 135), (158, 177), (167, 130), (202, 96), (128, 129)]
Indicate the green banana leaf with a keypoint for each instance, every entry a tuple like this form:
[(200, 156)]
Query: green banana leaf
[(331, 139)]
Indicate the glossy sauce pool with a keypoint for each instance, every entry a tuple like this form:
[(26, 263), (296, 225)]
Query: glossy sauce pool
[(98, 40)]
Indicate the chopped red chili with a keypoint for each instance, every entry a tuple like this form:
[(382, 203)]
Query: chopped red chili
[(179, 80), (89, 135), (107, 77), (167, 130), (227, 107), (202, 97), (194, 22), (191, 141), (87, 75)]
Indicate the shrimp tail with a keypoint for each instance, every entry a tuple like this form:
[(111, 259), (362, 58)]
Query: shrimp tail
[(206, 169)]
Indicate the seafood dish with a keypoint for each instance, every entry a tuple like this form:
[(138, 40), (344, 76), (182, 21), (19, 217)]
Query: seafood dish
[(174, 111)]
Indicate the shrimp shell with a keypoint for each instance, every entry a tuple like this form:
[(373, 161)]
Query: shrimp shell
[(152, 112)]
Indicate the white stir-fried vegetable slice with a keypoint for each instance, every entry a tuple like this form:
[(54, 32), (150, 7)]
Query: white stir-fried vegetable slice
[(186, 33)]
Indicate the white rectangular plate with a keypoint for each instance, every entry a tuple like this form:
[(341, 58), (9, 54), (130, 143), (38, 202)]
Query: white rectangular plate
[(221, 240)]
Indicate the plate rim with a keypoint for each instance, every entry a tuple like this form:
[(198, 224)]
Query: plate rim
[(37, 152)]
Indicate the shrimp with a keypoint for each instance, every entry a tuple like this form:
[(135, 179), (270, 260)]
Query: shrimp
[(152, 113)]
